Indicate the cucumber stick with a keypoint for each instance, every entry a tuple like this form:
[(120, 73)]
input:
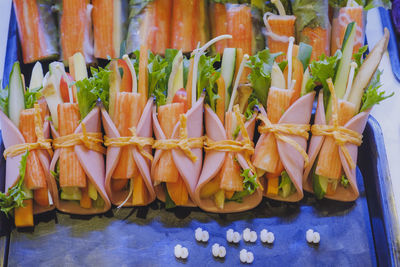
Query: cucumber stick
[(16, 99), (228, 71), (37, 76), (343, 70)]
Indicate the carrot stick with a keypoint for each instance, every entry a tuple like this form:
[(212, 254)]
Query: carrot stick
[(281, 26), (41, 196), (273, 185), (143, 73), (118, 184), (229, 194), (297, 75), (23, 216), (266, 156), (319, 40), (72, 27), (178, 191), (160, 31), (182, 22), (239, 25), (189, 84), (85, 201), (220, 109), (168, 116), (219, 25), (329, 164), (102, 15), (127, 115), (71, 171), (139, 196)]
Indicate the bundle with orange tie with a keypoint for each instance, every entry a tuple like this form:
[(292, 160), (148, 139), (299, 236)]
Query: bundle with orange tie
[(344, 104), (25, 130)]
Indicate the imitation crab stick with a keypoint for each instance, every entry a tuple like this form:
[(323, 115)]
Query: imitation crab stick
[(74, 27), (219, 25), (329, 164), (239, 25), (103, 28), (143, 73), (318, 38), (127, 115), (32, 31), (280, 27), (347, 15), (35, 177), (71, 171), (220, 106), (189, 85)]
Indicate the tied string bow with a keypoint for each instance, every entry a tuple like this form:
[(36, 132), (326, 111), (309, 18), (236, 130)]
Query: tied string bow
[(340, 134), (279, 131), (41, 143), (92, 141), (184, 143), (139, 142)]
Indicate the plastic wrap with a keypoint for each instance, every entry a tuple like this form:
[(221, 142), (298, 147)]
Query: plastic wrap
[(37, 30)]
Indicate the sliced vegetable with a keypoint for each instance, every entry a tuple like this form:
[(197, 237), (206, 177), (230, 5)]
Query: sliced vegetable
[(16, 95)]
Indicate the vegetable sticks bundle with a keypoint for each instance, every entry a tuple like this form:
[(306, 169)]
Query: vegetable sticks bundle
[(149, 25), (128, 128), (37, 30), (280, 153), (341, 116), (228, 182), (78, 162), (26, 131)]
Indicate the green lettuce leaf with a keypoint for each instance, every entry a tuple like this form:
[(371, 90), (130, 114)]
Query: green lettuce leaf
[(250, 185), (32, 96), (260, 75), (4, 100), (91, 89), (372, 96), (250, 109), (169, 203), (309, 13), (367, 4), (207, 77), (158, 78), (344, 181), (358, 58)]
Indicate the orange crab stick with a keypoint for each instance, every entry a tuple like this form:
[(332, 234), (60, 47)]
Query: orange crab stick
[(103, 13), (71, 171), (318, 38), (239, 25), (219, 24)]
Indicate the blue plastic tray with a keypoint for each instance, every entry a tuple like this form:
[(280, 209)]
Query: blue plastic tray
[(361, 233)]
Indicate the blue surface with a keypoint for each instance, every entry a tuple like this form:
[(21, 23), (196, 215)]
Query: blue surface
[(12, 48), (394, 40)]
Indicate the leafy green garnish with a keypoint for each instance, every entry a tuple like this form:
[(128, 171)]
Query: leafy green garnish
[(236, 132), (344, 181), (15, 195), (250, 185), (260, 75), (250, 109), (367, 4), (372, 96), (207, 77), (158, 78), (358, 57), (309, 13), (4, 100), (286, 187), (32, 96), (91, 89), (169, 203)]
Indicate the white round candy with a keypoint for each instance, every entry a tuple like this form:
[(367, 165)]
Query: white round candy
[(263, 235), (198, 235), (270, 237), (243, 255), (246, 235), (222, 252), (236, 237), (205, 236), (178, 251), (253, 236), (215, 250), (229, 235), (316, 238), (184, 253), (198, 229), (310, 235), (249, 257)]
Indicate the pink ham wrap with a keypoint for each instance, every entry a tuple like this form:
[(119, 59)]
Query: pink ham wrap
[(213, 163), (293, 162), (357, 123), (144, 129), (12, 136), (189, 170), (93, 164)]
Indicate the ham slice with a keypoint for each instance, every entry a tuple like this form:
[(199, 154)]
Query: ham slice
[(144, 129), (189, 170), (293, 162), (93, 164), (357, 123), (213, 162), (12, 136)]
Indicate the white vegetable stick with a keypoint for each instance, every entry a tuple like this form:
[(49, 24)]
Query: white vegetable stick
[(133, 72), (279, 6), (239, 74), (289, 59), (353, 67)]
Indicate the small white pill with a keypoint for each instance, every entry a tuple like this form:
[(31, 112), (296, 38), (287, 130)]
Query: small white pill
[(243, 255), (316, 238), (215, 250), (198, 230), (309, 235), (221, 252), (184, 253), (246, 235), (270, 237), (253, 236), (178, 251), (263, 235), (236, 237), (198, 236), (249, 257), (205, 236), (229, 235)]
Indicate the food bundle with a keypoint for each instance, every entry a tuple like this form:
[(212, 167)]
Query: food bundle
[(156, 103)]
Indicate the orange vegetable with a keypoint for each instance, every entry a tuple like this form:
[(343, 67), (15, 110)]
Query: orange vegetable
[(143, 73), (139, 196), (71, 171), (23, 216), (102, 14), (168, 116), (219, 24), (41, 196), (297, 75), (189, 84), (118, 184), (329, 164), (318, 38), (178, 191), (86, 201), (281, 26), (239, 25), (229, 194), (273, 186), (220, 107), (246, 70), (127, 115)]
